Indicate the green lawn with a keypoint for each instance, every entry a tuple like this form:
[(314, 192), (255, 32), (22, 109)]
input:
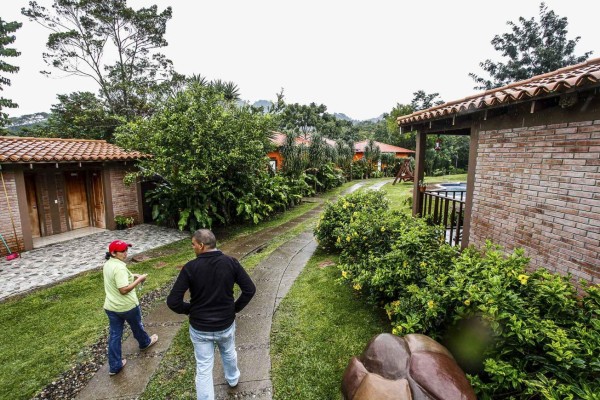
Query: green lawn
[(400, 194), (317, 328)]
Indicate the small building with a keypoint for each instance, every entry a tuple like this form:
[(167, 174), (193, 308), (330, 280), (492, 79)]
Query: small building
[(399, 152), (534, 166), (53, 186), (278, 139)]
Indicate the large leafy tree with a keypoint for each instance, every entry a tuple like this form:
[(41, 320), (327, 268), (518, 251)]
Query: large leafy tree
[(208, 153), (530, 48), (6, 29), (80, 115), (301, 119), (110, 43)]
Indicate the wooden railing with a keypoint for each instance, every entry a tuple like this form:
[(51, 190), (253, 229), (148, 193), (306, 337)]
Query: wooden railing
[(446, 208)]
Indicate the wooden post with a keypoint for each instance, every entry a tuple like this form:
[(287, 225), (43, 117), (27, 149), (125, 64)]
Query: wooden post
[(419, 172)]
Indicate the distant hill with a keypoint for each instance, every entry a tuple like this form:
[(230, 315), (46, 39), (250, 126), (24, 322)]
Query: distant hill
[(265, 104), (15, 124)]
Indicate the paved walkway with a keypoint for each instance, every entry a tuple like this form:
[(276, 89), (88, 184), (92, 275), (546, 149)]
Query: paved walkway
[(50, 264)]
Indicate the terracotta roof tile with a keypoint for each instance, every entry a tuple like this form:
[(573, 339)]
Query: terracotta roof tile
[(27, 149), (384, 147), (574, 76)]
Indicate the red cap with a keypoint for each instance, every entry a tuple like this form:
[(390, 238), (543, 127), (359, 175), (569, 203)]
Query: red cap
[(118, 245)]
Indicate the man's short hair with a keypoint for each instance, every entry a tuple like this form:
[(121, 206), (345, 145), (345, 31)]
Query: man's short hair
[(207, 237)]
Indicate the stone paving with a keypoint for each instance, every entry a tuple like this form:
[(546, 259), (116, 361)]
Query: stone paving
[(56, 262)]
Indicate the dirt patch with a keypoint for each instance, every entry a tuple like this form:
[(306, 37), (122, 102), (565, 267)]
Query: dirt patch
[(326, 263)]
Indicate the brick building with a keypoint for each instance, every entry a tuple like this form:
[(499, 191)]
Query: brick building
[(534, 166), (60, 185)]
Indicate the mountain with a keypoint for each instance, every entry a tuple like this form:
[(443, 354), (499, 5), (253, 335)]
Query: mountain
[(15, 124), (343, 116), (265, 104)]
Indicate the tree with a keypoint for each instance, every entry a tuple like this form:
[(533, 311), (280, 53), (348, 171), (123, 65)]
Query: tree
[(208, 153), (423, 101), (80, 115), (6, 28), (301, 119), (87, 36), (532, 48)]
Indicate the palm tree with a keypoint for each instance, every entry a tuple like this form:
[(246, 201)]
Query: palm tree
[(372, 155)]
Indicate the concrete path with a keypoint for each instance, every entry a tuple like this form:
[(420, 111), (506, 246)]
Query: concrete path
[(273, 276)]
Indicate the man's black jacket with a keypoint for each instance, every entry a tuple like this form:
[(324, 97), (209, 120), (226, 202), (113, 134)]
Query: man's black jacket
[(210, 278)]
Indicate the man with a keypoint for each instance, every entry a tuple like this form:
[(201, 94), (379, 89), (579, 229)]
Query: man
[(210, 278)]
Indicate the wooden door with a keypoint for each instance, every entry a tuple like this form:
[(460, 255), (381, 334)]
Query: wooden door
[(32, 207), (77, 200), (98, 211)]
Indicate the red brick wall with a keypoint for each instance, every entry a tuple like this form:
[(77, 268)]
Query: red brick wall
[(6, 227), (539, 188), (124, 197)]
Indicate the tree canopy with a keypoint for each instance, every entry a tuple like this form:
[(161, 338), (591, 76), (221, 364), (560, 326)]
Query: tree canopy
[(207, 152), (111, 43), (531, 48), (6, 28)]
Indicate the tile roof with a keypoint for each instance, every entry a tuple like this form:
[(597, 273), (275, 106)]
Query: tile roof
[(384, 147), (574, 76), (40, 150)]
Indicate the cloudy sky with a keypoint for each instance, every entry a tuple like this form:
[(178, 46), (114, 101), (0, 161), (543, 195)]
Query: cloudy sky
[(356, 57)]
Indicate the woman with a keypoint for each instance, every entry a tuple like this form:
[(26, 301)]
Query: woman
[(121, 304)]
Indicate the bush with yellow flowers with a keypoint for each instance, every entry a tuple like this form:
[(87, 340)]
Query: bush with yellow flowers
[(341, 212)]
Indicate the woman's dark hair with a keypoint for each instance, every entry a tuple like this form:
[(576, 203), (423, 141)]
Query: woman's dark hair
[(108, 255)]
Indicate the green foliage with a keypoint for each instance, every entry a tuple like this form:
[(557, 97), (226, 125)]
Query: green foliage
[(521, 334), (86, 38), (123, 221), (531, 48), (210, 157), (341, 212), (6, 28), (79, 115)]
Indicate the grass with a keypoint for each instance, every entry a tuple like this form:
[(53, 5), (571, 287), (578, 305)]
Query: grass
[(318, 327), (400, 194), (46, 332)]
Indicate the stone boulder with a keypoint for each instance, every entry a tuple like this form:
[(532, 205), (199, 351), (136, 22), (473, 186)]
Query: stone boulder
[(413, 367)]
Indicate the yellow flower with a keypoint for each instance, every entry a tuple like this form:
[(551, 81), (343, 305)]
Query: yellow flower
[(430, 303), (345, 274), (397, 330), (396, 303), (354, 234), (339, 239), (345, 206), (423, 264), (348, 238), (357, 286), (383, 229), (523, 279), (405, 264), (389, 314), (467, 302)]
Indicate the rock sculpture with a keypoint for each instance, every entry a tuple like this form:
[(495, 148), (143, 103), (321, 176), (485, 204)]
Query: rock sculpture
[(413, 367)]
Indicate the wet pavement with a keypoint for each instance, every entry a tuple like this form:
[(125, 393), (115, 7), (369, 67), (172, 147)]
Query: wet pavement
[(48, 265)]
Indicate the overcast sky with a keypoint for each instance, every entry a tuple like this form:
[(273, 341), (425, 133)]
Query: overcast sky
[(356, 57)]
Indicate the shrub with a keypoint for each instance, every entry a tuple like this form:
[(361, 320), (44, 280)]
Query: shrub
[(541, 335), (340, 213)]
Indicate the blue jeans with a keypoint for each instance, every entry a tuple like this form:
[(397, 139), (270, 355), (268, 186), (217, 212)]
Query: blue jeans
[(116, 322), (204, 350)]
